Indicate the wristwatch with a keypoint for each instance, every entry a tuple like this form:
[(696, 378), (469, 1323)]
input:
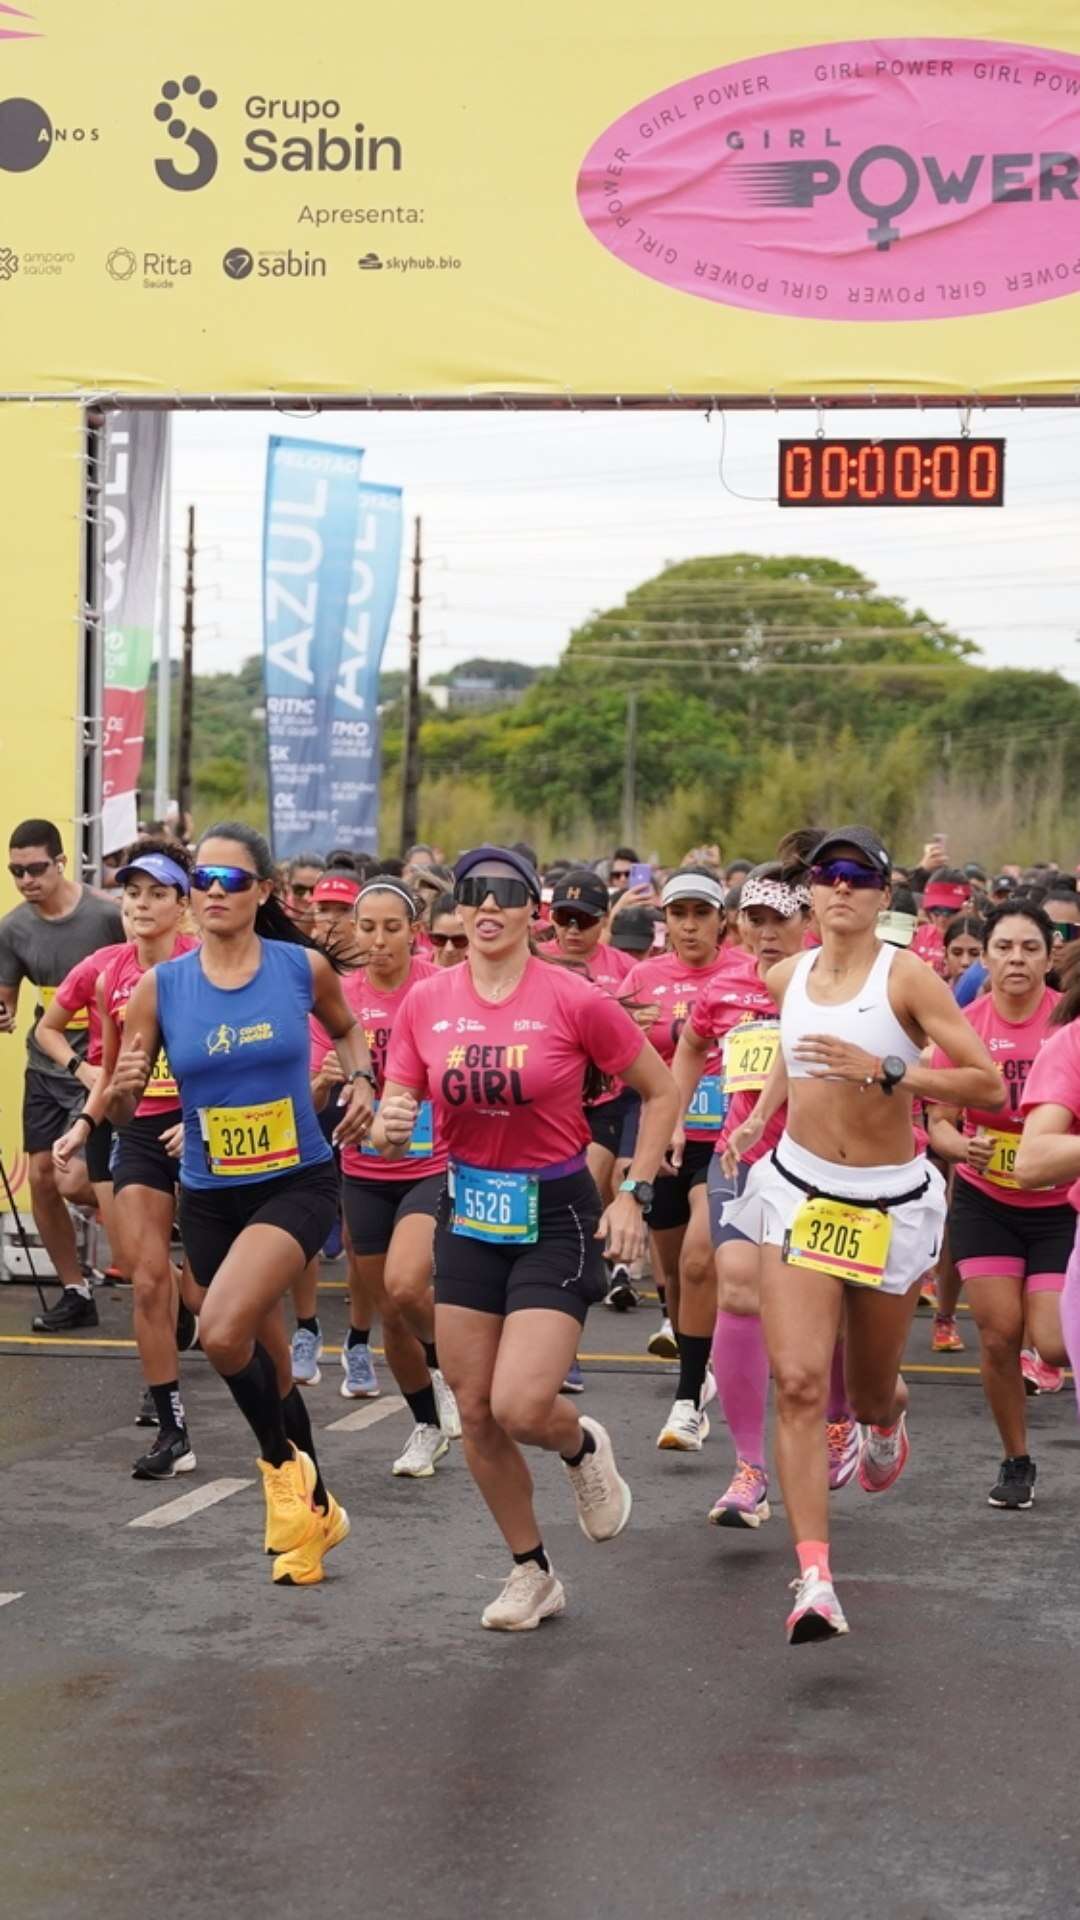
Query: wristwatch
[(73, 1065), (362, 1073), (642, 1191), (893, 1070)]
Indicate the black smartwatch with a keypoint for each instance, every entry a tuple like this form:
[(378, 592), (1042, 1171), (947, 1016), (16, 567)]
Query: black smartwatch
[(642, 1191), (893, 1070), (73, 1065), (363, 1073)]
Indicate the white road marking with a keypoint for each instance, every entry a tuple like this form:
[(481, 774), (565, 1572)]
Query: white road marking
[(189, 1503), (367, 1416), (7, 1598)]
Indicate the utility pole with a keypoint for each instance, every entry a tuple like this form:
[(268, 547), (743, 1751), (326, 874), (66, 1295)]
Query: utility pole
[(187, 681), (410, 770), (629, 782), (164, 671)]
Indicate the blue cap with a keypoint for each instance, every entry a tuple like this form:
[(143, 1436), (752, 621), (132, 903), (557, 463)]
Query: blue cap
[(477, 855), (160, 868)]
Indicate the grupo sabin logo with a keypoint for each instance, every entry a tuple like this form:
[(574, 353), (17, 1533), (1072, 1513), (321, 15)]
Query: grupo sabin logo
[(179, 98)]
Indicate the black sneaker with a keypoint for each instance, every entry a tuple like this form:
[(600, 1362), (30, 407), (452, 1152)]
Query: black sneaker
[(71, 1310), (1015, 1484), (187, 1329), (621, 1295), (147, 1414), (171, 1453)]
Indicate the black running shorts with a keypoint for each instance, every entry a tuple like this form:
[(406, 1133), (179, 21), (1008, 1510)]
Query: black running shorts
[(992, 1237), (99, 1149), (671, 1191), (606, 1121), (140, 1159), (563, 1269), (50, 1103), (374, 1207), (304, 1203)]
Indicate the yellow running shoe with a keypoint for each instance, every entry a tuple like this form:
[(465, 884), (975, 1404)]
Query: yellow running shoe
[(288, 1491), (303, 1567)]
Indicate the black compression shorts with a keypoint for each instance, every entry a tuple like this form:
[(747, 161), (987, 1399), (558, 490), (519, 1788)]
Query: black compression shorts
[(304, 1203), (374, 1207), (563, 1269), (140, 1159)]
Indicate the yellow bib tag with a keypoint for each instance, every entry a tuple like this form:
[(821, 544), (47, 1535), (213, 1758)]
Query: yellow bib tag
[(832, 1236), (749, 1052), (1001, 1167), (161, 1084), (79, 1021), (251, 1140)]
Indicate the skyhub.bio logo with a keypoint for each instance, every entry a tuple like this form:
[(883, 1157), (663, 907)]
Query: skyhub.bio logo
[(869, 180)]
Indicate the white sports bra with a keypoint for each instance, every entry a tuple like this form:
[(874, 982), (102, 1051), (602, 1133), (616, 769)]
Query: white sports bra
[(867, 1020)]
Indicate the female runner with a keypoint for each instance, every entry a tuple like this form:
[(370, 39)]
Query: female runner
[(502, 1046), (963, 939), (390, 1205), (449, 940), (1049, 1153), (1011, 1244), (693, 904), (74, 1008), (579, 914), (258, 1185), (847, 1216)]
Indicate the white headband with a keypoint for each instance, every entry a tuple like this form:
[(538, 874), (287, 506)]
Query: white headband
[(777, 894), (693, 886), (389, 885)]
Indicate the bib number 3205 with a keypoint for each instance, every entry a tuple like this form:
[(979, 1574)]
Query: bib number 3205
[(829, 1236)]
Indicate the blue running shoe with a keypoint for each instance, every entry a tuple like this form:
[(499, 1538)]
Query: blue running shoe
[(359, 1382), (334, 1245), (306, 1352), (575, 1379)]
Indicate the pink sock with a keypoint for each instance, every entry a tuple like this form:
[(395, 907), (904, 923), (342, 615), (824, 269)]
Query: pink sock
[(814, 1553), (1070, 1318), (837, 1408), (741, 1370)]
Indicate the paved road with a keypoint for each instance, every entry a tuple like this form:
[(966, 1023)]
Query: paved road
[(180, 1737)]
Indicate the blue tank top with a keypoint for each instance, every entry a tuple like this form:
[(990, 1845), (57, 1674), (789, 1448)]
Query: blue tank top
[(241, 1059)]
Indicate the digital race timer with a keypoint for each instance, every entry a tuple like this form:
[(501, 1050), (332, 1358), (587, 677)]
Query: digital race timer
[(892, 473)]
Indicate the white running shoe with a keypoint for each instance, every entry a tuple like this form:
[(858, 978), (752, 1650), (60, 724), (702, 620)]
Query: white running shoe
[(603, 1498), (663, 1343), (426, 1446), (709, 1389), (449, 1417), (686, 1428), (306, 1353), (529, 1595), (817, 1613)]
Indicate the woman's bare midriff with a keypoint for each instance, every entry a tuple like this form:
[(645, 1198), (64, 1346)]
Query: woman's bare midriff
[(853, 1126)]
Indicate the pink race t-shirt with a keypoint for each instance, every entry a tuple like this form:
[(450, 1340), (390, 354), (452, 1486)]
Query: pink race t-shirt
[(77, 993), (507, 1080), (1054, 1081), (119, 979), (665, 979), (1013, 1045), (377, 1008), (607, 968)]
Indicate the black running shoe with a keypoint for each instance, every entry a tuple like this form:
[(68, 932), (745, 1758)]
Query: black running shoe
[(1015, 1484), (71, 1310), (147, 1415), (171, 1453), (621, 1295), (187, 1329)]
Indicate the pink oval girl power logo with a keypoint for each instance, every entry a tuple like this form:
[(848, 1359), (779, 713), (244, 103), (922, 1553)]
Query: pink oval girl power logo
[(870, 180)]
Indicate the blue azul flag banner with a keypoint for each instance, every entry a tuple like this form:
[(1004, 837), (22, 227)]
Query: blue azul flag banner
[(311, 527), (355, 742)]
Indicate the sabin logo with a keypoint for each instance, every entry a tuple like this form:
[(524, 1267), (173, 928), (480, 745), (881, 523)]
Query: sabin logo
[(174, 95)]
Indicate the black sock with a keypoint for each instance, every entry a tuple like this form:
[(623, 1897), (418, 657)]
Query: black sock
[(694, 1351), (255, 1390), (357, 1337), (169, 1407), (310, 1325), (422, 1407), (298, 1427), (588, 1445), (661, 1294), (535, 1553), (431, 1356)]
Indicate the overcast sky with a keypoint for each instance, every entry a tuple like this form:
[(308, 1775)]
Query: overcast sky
[(532, 522)]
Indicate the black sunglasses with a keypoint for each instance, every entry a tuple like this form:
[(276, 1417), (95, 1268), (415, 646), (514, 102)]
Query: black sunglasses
[(474, 889), (32, 870), (578, 917), (459, 941), (231, 879)]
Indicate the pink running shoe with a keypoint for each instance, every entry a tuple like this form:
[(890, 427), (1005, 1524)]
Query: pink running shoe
[(817, 1613), (842, 1437), (883, 1456), (945, 1337), (1038, 1376), (746, 1502)]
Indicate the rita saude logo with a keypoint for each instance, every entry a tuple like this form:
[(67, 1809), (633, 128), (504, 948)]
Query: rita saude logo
[(154, 269), (328, 143), (866, 180)]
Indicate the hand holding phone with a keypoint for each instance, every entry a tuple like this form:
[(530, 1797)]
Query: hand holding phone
[(641, 874)]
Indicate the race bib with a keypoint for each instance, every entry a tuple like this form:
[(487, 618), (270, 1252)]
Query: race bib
[(708, 1108), (161, 1084), (250, 1140), (79, 1021), (749, 1052), (833, 1236), (1001, 1167), (501, 1208), (422, 1143)]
